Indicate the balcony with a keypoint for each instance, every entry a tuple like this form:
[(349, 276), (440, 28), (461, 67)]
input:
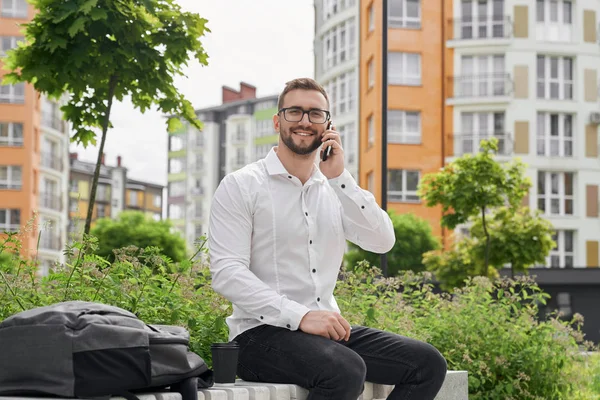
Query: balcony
[(493, 87), (51, 201), (50, 241), (468, 143), (50, 120), (483, 27), (52, 161)]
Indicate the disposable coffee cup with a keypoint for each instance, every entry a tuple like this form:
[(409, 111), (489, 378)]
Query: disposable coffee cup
[(225, 359)]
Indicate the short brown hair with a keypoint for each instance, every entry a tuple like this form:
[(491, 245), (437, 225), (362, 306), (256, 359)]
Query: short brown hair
[(304, 84)]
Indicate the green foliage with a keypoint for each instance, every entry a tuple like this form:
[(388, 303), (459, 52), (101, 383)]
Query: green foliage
[(413, 239), (473, 183), (81, 47), (134, 228), (140, 280), (520, 237), (488, 328)]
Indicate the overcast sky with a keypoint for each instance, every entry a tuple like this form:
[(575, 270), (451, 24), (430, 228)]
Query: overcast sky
[(262, 42)]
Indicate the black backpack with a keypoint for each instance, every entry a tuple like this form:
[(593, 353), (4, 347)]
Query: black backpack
[(83, 349)]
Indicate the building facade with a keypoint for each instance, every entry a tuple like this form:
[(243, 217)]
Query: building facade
[(336, 68), (235, 133), (523, 72), (115, 193), (33, 155)]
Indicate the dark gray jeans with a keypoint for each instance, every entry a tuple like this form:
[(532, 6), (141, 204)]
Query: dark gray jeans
[(336, 369)]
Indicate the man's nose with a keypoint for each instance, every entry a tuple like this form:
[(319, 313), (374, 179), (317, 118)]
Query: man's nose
[(305, 121)]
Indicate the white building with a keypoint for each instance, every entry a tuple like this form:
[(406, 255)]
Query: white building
[(528, 74), (336, 47)]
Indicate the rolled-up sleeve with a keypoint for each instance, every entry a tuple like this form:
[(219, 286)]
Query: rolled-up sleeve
[(229, 245), (365, 223)]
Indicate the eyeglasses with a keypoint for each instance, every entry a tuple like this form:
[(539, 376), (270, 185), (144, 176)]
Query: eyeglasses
[(295, 114)]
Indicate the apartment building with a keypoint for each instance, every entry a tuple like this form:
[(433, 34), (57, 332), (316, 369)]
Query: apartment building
[(521, 71), (33, 155), (336, 68), (115, 193), (235, 133)]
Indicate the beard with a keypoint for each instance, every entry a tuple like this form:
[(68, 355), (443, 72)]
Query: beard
[(304, 148)]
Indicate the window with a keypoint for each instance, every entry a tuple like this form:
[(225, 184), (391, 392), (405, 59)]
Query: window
[(563, 301), (554, 78), (482, 76), (404, 68), (11, 134), (555, 193), (371, 182), (100, 211), (554, 134), (103, 192), (10, 177), (371, 130), (404, 126), (342, 93), (10, 219), (176, 165), (73, 206), (9, 42), (340, 44), (562, 255), (133, 198), (176, 143), (175, 211), (371, 18), (481, 19), (14, 8), (402, 186), (240, 156), (554, 20), (349, 141), (12, 93), (371, 73), (198, 209), (404, 14), (157, 202), (199, 162), (176, 189), (476, 126)]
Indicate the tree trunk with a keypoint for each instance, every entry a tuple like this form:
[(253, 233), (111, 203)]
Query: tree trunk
[(111, 92), (487, 242)]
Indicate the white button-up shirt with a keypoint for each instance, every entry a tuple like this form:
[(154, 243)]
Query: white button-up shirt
[(276, 245)]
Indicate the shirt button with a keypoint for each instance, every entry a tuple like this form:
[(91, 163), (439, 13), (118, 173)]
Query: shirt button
[(288, 325), (363, 207), (314, 270), (310, 242), (318, 299), (289, 176), (261, 317), (306, 214), (343, 186)]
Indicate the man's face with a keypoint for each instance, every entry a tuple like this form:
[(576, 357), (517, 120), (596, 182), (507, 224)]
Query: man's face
[(302, 137)]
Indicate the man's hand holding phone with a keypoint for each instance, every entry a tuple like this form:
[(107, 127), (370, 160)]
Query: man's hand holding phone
[(332, 153)]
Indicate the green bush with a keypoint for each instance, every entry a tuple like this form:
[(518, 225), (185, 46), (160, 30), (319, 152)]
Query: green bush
[(139, 280), (489, 329), (413, 239)]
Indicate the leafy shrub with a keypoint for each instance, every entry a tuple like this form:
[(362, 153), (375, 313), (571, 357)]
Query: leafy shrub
[(489, 328)]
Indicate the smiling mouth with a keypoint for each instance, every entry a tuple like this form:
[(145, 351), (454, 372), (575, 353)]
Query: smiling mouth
[(300, 133)]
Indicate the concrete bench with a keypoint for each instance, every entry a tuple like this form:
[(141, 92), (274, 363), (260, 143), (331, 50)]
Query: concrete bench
[(455, 388)]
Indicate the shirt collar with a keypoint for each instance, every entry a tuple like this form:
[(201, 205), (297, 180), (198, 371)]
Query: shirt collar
[(275, 167)]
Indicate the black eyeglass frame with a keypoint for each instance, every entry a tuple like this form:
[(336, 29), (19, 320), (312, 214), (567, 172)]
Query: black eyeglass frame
[(327, 118)]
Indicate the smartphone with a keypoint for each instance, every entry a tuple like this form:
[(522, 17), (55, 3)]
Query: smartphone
[(327, 151)]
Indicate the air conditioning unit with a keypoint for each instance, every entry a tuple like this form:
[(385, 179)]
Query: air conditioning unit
[(595, 118)]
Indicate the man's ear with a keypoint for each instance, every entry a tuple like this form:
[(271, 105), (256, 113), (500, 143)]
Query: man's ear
[(276, 124)]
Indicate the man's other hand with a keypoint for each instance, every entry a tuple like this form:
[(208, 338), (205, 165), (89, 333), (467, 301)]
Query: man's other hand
[(328, 324)]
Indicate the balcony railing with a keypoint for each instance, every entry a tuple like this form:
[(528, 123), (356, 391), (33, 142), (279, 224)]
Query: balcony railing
[(9, 228), (468, 143), (51, 201), (54, 122), (480, 27), (50, 240), (486, 85), (52, 161), (11, 142)]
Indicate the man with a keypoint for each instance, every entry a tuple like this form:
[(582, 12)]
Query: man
[(276, 241)]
